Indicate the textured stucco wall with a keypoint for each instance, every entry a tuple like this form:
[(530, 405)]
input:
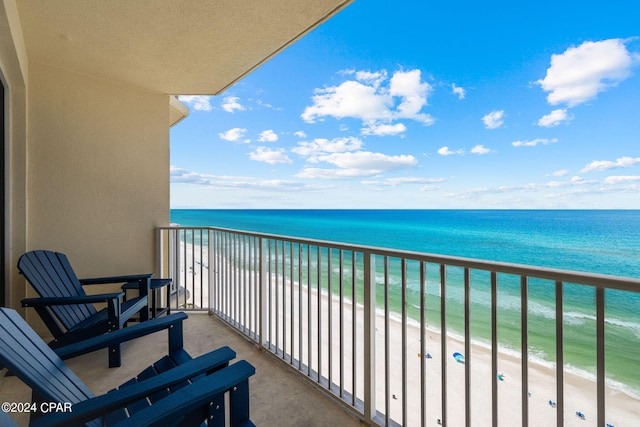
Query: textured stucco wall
[(97, 171)]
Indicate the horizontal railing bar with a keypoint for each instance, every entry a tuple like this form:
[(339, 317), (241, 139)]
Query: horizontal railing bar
[(567, 276)]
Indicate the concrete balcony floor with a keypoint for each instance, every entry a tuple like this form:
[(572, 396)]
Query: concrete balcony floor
[(278, 396)]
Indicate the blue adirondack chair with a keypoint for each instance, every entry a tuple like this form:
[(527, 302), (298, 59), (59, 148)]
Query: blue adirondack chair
[(175, 391), (67, 311)]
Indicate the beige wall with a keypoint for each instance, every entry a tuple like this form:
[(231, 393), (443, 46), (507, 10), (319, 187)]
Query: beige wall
[(97, 171)]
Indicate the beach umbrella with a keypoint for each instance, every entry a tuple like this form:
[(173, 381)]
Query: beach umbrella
[(459, 357)]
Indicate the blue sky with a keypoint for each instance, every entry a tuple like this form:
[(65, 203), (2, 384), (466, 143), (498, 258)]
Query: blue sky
[(425, 105)]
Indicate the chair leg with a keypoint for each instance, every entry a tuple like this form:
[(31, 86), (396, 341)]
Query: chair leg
[(115, 356), (216, 412), (239, 402)]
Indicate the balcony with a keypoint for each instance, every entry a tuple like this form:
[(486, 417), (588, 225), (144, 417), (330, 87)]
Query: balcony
[(278, 397), (389, 358)]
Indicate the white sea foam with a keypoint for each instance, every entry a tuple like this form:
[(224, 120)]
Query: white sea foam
[(633, 326), (540, 357)]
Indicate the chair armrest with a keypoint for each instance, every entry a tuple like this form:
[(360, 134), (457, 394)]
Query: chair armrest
[(192, 396), (116, 279), (95, 407), (143, 279), (123, 335), (87, 299)]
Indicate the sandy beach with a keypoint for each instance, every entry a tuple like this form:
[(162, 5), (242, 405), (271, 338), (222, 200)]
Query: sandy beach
[(579, 393)]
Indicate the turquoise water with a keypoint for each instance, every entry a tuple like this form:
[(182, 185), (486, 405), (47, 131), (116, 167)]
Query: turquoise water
[(604, 242)]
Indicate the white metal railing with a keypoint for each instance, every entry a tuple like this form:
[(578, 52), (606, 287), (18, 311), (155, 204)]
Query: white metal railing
[(352, 319)]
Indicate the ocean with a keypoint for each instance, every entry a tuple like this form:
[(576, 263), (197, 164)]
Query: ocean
[(593, 241)]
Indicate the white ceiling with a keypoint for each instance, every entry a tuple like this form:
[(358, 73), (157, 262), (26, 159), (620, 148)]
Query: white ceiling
[(167, 46)]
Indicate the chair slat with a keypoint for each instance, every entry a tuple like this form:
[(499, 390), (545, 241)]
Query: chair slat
[(24, 351), (51, 275)]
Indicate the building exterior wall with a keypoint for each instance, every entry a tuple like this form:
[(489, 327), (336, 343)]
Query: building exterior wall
[(97, 171)]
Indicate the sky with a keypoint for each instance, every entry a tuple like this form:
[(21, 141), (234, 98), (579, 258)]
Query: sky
[(428, 105)]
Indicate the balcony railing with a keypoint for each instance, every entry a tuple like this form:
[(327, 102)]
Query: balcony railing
[(376, 328)]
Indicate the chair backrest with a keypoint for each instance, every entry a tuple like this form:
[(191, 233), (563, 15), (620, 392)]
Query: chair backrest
[(24, 353), (51, 275), (6, 420)]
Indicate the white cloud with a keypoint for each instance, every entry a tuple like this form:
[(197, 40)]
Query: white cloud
[(480, 149), (555, 118), (458, 91), (268, 136), (230, 104), (179, 175), (393, 182), (603, 165), (367, 98), (444, 151), (182, 176), (375, 78), (325, 146), (574, 183), (413, 92), (197, 102), (320, 173), (233, 135), (578, 74), (494, 119), (350, 99), (384, 129), (267, 105), (369, 160), (358, 164), (561, 172), (300, 134), (269, 155), (534, 142), (611, 180)]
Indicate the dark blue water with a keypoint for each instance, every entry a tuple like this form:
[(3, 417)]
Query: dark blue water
[(606, 242)]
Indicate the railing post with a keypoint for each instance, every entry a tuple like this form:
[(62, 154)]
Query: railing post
[(524, 304), (262, 292), (174, 267), (467, 346), (369, 337), (600, 355), (159, 252), (559, 354), (211, 263)]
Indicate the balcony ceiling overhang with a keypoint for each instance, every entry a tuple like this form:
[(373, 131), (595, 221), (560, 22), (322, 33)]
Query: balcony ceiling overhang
[(167, 46)]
